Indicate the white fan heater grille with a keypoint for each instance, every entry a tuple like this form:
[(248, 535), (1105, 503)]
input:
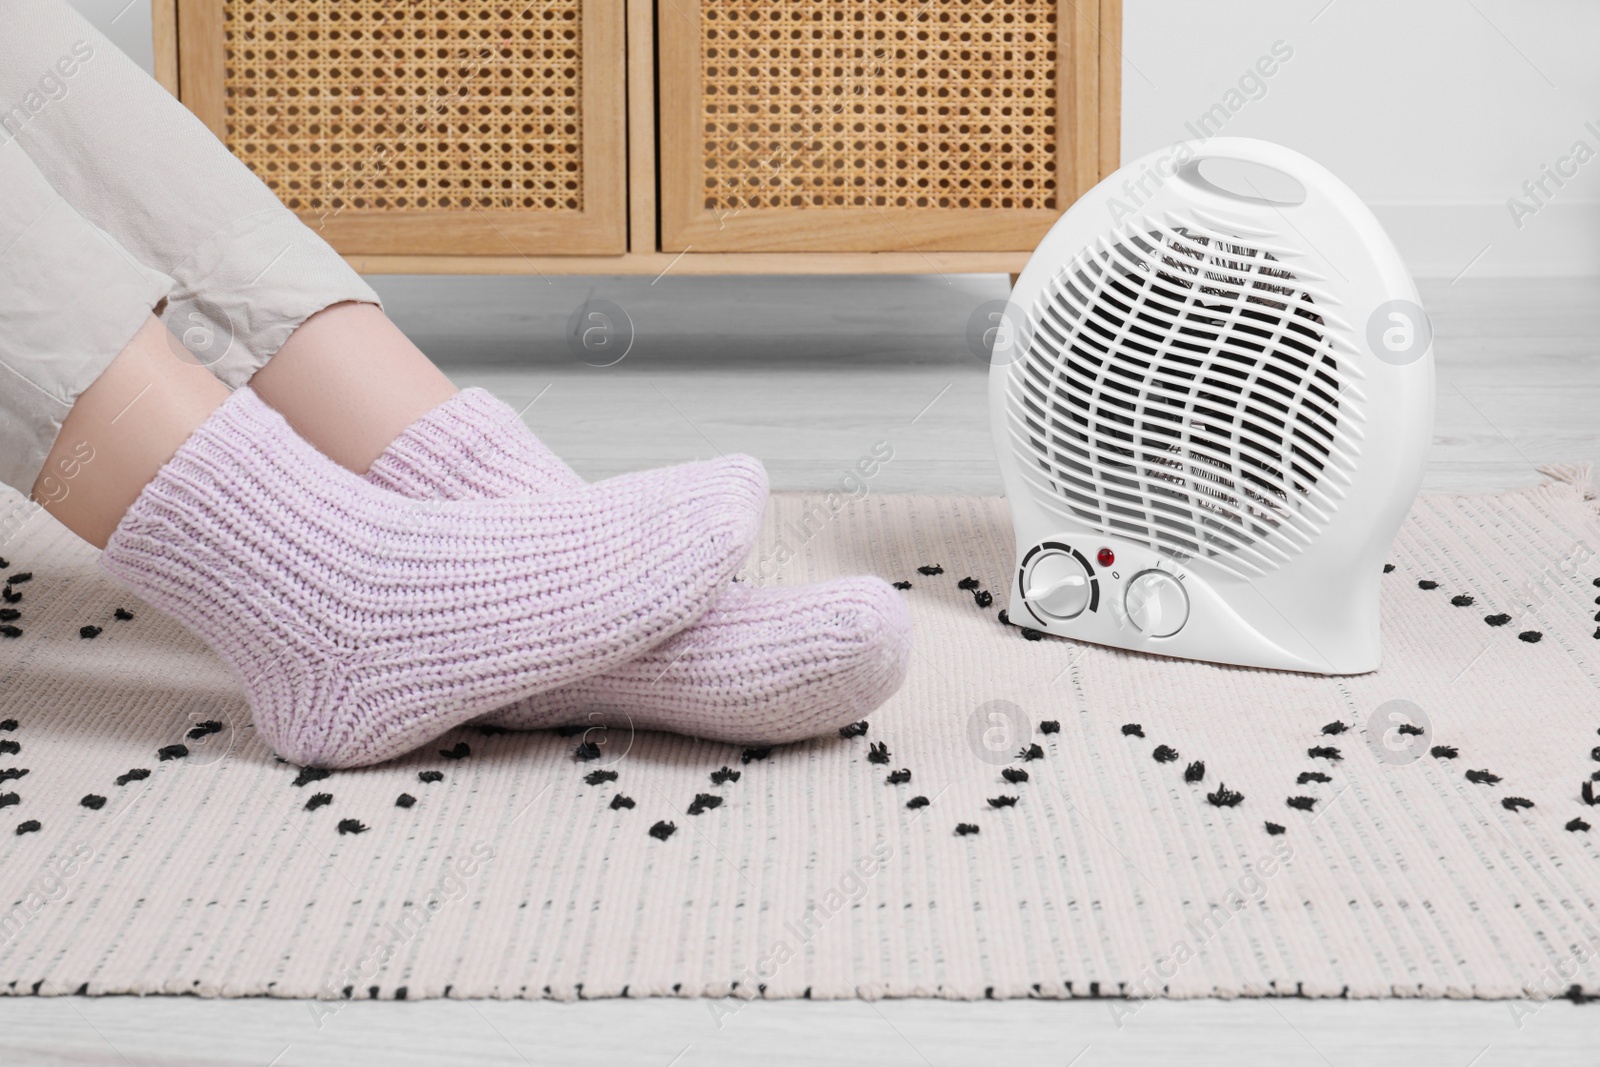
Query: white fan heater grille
[(1180, 389)]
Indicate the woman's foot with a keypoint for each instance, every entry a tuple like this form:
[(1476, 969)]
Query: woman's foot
[(763, 665), (363, 624)]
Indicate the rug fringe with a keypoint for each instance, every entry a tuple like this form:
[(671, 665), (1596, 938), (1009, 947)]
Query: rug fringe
[(1578, 475)]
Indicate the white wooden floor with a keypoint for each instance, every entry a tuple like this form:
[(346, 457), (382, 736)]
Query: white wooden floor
[(808, 374)]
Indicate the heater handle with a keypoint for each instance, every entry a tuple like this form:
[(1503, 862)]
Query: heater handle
[(1251, 171)]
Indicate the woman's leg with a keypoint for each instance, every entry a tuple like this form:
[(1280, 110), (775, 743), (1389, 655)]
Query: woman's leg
[(121, 431), (82, 427), (350, 382), (248, 275)]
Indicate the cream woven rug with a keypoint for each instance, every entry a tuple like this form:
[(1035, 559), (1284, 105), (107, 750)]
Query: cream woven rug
[(812, 873)]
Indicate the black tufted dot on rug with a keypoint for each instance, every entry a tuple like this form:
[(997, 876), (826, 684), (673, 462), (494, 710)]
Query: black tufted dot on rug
[(29, 827), (1409, 729), (138, 774), (10, 596), (930, 569), (1002, 802), (1388, 568), (1030, 634), (9, 614), (1004, 617), (596, 777), (94, 802), (1327, 752), (1195, 772), (1014, 775), (855, 729), (900, 777), (1274, 829), (89, 633), (1577, 826), (1483, 778), (1049, 726), (1335, 728), (704, 802), (404, 800), (10, 631), (201, 729), (586, 752), (1132, 729), (1225, 797), (352, 826), (166, 752), (718, 777), (983, 598), (308, 775), (1462, 600), (663, 830), (319, 800), (1586, 792), (461, 751), (9, 773), (8, 724), (1513, 803), (621, 801), (1427, 583), (1302, 803), (918, 802), (751, 754), (9, 747), (1311, 776), (969, 584), (430, 776), (902, 585), (877, 752), (9, 800), (122, 615), (1533, 637), (1444, 752), (1497, 620), (1164, 754), (1032, 752), (965, 828)]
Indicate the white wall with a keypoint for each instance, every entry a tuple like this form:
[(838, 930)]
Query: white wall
[(1434, 111)]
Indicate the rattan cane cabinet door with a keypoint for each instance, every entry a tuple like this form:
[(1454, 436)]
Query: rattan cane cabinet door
[(876, 125), (466, 127)]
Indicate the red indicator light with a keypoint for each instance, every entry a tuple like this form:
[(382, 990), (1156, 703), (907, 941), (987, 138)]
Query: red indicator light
[(1106, 557)]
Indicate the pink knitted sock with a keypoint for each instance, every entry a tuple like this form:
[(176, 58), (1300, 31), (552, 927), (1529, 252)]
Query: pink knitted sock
[(763, 665), (363, 624)]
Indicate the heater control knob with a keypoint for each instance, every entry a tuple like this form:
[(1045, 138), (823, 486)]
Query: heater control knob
[(1157, 603), (1056, 585)]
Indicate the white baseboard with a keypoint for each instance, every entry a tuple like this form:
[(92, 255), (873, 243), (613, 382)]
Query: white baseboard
[(1441, 240)]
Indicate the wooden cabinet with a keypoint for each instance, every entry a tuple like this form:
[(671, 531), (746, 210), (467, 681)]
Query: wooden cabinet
[(630, 136)]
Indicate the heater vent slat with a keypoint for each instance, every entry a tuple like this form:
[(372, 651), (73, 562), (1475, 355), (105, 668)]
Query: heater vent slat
[(1181, 389)]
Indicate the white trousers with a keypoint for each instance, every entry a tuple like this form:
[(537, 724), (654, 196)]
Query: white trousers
[(116, 202)]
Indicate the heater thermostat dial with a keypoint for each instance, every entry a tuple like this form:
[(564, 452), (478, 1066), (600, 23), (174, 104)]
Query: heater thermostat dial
[(1056, 585), (1157, 603)]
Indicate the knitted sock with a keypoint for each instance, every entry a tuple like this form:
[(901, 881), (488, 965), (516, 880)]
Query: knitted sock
[(363, 624), (763, 665)]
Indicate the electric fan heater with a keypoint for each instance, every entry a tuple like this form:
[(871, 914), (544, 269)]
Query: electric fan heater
[(1212, 394)]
